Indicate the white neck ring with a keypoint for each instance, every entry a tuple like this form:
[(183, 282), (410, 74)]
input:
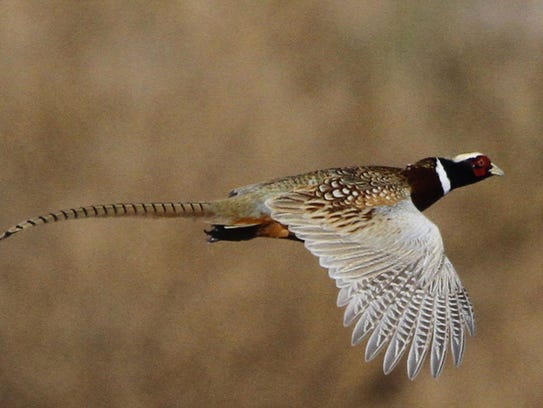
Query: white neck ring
[(443, 178)]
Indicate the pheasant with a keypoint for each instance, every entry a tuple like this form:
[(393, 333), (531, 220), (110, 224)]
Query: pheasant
[(365, 224)]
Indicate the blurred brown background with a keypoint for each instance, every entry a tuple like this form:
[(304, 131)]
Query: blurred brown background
[(108, 101)]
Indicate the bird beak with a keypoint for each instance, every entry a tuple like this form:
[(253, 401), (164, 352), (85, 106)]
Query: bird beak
[(496, 171)]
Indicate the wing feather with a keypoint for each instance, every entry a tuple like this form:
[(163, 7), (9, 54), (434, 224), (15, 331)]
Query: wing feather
[(404, 332), (393, 277), (422, 338), (389, 322), (456, 330), (440, 335), (467, 311)]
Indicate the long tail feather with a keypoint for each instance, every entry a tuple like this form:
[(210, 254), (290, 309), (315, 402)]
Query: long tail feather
[(162, 209)]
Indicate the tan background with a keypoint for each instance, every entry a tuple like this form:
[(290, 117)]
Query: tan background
[(110, 101)]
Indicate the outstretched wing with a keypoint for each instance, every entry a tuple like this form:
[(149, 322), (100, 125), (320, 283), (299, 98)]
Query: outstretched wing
[(393, 276)]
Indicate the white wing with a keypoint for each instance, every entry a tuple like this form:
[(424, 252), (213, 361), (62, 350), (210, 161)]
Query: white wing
[(392, 274)]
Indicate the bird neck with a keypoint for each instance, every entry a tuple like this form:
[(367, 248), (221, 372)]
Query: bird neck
[(428, 181)]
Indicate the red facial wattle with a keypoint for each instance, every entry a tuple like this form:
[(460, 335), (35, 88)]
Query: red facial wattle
[(481, 165)]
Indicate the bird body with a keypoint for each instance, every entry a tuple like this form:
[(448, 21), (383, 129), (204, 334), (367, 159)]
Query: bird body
[(366, 227)]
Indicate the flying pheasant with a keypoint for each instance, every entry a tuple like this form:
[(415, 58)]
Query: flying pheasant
[(366, 226)]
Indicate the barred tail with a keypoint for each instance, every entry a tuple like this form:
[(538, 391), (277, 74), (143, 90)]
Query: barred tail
[(165, 209)]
